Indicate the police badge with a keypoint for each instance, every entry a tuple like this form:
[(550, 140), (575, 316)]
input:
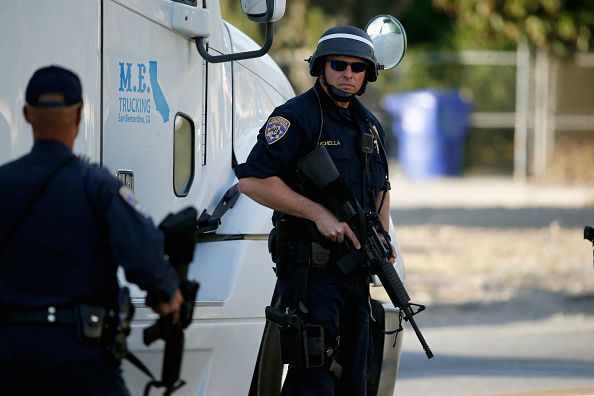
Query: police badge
[(128, 196), (276, 128)]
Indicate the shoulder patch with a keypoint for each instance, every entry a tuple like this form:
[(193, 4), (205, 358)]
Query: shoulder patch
[(276, 128), (128, 196)]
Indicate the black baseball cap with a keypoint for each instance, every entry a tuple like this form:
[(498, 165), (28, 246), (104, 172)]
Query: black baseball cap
[(53, 79)]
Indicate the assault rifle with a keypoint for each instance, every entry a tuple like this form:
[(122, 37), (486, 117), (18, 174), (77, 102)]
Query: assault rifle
[(319, 170), (179, 230)]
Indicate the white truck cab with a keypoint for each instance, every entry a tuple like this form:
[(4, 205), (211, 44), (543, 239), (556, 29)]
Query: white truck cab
[(173, 99)]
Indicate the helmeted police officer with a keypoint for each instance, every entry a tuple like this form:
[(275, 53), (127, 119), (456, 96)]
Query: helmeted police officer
[(307, 240), (66, 227)]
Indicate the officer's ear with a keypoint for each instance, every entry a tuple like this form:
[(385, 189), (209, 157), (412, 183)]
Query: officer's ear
[(78, 115), (26, 114)]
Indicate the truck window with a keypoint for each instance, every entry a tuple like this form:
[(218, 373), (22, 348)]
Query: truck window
[(183, 154)]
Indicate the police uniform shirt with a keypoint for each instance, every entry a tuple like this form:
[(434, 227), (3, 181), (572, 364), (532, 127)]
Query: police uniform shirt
[(293, 130), (82, 227)]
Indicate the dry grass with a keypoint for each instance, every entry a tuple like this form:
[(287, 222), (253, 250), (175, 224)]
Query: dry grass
[(572, 161), (448, 264)]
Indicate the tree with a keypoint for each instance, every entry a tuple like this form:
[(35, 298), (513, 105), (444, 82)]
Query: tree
[(304, 22), (561, 26)]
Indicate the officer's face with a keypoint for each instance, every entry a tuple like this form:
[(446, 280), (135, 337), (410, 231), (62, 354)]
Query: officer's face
[(347, 79)]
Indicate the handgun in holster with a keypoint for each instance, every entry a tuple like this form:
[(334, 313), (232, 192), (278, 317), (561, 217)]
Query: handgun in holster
[(302, 343), (123, 318)]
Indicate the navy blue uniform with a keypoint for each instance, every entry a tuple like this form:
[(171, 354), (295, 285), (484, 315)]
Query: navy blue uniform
[(337, 301), (66, 251)]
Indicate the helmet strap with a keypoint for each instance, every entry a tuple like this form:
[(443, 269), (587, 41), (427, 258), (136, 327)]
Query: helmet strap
[(362, 90), (337, 94)]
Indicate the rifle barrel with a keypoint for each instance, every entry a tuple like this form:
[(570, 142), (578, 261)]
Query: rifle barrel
[(172, 360), (408, 316), (399, 297)]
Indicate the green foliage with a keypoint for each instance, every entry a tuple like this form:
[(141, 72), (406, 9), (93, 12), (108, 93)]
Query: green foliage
[(561, 26), (427, 27), (433, 26)]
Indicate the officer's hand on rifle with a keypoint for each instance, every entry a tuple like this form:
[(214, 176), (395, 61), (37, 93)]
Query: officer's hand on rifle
[(335, 230), (392, 258), (387, 241), (172, 307)]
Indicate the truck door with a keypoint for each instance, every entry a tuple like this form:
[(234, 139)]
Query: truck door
[(153, 104)]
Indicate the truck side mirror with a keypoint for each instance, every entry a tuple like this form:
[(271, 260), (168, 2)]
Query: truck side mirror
[(389, 40), (262, 11)]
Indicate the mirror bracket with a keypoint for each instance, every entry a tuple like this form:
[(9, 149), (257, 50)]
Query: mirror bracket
[(201, 47)]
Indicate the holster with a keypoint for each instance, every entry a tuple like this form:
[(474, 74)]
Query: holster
[(303, 347), (302, 344), (292, 346), (280, 246), (117, 343)]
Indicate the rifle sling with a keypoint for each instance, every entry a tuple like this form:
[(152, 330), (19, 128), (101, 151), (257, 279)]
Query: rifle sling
[(8, 237), (139, 365)]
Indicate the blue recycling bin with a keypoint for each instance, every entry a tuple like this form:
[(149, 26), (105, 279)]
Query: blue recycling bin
[(431, 127)]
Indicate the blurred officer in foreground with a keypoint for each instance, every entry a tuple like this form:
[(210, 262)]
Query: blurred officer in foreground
[(65, 228), (307, 239)]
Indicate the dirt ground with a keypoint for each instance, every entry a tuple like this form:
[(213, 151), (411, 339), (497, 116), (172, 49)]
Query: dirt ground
[(493, 240), (450, 264)]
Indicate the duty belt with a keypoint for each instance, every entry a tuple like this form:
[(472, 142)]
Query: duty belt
[(47, 315)]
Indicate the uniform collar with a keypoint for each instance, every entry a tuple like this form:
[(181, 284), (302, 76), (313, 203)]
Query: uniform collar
[(332, 108), (334, 112), (50, 146)]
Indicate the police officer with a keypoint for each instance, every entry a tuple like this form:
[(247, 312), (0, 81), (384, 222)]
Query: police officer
[(65, 228), (309, 238)]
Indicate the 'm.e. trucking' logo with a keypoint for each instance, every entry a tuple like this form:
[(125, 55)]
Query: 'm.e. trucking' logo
[(138, 96)]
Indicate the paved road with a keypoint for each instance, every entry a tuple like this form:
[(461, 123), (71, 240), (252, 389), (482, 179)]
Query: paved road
[(495, 217), (538, 344), (545, 353)]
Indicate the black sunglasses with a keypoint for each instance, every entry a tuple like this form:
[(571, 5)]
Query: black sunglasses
[(356, 67)]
